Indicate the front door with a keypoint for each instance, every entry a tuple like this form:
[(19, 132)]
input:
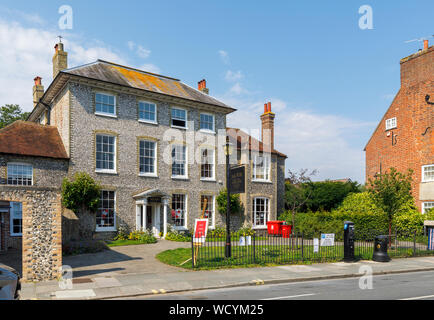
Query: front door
[(149, 220)]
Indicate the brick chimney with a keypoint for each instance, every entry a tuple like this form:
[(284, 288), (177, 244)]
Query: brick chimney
[(201, 86), (418, 67), (425, 44), (267, 119), (38, 90), (60, 59)]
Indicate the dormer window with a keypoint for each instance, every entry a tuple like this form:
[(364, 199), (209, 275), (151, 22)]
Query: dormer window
[(391, 123)]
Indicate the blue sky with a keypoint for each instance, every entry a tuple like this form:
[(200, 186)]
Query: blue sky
[(329, 81)]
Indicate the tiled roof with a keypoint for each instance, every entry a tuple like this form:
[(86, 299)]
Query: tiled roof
[(32, 139), (125, 76), (254, 144)]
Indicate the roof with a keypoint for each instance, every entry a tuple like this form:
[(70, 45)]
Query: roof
[(126, 76), (254, 144), (31, 139)]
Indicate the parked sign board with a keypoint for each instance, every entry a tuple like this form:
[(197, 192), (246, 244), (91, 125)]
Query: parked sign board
[(327, 239), (238, 179), (200, 230)]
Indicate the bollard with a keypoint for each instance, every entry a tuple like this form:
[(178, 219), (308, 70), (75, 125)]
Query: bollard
[(380, 249), (349, 241)]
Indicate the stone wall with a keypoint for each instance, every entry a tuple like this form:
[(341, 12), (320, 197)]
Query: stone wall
[(42, 232)]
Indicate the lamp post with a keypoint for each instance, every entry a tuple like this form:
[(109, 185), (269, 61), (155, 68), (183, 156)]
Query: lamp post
[(228, 152)]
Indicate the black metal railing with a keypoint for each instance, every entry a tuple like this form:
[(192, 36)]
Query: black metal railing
[(262, 248)]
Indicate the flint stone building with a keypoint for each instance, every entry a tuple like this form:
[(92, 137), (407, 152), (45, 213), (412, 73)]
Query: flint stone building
[(131, 131)]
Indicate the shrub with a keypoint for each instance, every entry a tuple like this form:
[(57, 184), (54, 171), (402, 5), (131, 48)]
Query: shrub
[(175, 235), (235, 205), (142, 236), (81, 192), (123, 232)]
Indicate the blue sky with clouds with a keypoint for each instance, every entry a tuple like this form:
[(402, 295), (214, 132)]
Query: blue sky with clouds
[(329, 81)]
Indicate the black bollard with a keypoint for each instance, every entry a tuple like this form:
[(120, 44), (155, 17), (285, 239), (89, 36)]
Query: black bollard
[(380, 249)]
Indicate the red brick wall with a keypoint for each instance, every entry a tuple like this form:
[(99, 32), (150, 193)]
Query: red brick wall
[(414, 115)]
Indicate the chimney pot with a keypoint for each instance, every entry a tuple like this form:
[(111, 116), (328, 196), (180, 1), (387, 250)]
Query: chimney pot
[(425, 44), (269, 106), (265, 108), (38, 81)]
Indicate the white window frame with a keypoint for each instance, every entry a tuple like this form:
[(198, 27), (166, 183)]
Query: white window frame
[(267, 214), (106, 114), (18, 164), (185, 176), (186, 118), (423, 172), (266, 163), (213, 123), (146, 120), (108, 229), (149, 174), (183, 227), (391, 123), (114, 170), (424, 208), (11, 220), (212, 178), (211, 223)]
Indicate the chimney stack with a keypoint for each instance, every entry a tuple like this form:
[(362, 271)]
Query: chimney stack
[(425, 44), (201, 86), (38, 90), (60, 59), (267, 119)]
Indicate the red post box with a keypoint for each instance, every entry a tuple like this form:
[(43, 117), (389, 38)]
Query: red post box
[(286, 231), (274, 227)]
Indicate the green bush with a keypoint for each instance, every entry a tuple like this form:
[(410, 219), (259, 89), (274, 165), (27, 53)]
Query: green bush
[(81, 191), (410, 220), (142, 236), (175, 235)]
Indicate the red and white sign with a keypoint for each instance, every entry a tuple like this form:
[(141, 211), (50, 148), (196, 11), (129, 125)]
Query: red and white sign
[(200, 230)]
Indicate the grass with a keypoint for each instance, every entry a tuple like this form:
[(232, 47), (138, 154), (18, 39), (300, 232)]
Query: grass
[(117, 243), (213, 257)]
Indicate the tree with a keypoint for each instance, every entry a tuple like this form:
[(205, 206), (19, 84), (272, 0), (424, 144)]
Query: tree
[(235, 205), (82, 195), (390, 191), (10, 113), (295, 195), (328, 195)]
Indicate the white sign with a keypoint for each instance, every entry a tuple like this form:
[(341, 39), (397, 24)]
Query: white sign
[(242, 241), (315, 245), (200, 230), (327, 239)]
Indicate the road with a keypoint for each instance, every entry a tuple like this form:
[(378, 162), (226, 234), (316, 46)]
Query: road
[(409, 286)]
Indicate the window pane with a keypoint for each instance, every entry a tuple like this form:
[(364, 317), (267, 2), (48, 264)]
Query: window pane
[(105, 152), (105, 216), (104, 103), (19, 174), (178, 209)]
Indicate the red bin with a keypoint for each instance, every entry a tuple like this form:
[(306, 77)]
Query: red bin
[(274, 227), (286, 231)]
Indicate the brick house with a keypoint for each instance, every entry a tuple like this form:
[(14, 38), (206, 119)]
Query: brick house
[(153, 143), (404, 138)]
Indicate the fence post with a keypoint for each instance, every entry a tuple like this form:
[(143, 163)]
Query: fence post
[(302, 248), (192, 252), (254, 244), (414, 244)]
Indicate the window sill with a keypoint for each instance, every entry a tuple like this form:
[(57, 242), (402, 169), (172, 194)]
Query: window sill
[(148, 122), (180, 178), (207, 131), (16, 235), (262, 181), (177, 127), (148, 175), (180, 228), (111, 229), (106, 172), (259, 227), (109, 115), (207, 179)]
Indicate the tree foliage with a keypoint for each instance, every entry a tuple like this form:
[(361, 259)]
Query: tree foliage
[(81, 192), (235, 205), (391, 191), (10, 113)]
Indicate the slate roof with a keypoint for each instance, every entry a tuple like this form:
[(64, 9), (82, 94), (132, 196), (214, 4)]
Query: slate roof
[(254, 144), (31, 139), (126, 76)]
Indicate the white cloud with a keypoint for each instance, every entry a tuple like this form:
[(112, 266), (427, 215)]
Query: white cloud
[(232, 76), (150, 68), (237, 89), (139, 50), (26, 52), (224, 56)]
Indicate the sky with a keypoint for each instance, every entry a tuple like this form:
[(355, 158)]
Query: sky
[(329, 81)]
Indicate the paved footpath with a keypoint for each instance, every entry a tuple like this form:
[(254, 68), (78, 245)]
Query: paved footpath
[(104, 286)]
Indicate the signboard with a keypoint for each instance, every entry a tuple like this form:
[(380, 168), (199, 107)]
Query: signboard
[(237, 183), (245, 241), (200, 229), (315, 245), (154, 199), (327, 239)]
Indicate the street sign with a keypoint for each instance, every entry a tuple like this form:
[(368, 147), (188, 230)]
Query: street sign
[(327, 239), (200, 230), (238, 179)]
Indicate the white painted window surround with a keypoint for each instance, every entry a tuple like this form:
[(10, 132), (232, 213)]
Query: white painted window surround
[(428, 173), (391, 123)]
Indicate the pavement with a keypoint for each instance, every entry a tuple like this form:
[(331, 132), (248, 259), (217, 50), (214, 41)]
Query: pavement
[(125, 283)]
